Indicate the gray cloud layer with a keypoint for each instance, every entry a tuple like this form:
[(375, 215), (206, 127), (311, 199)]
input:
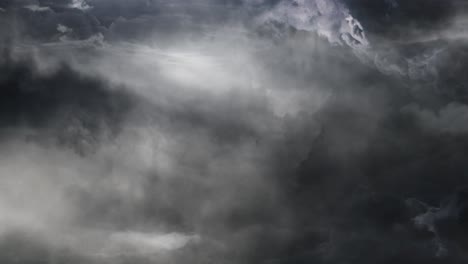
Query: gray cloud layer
[(233, 131)]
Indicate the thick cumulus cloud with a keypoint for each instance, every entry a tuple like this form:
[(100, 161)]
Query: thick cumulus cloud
[(255, 131)]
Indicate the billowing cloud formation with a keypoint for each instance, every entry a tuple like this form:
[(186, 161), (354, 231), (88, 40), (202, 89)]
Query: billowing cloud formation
[(330, 19), (305, 131)]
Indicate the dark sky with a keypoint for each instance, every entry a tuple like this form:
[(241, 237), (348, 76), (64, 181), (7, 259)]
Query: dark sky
[(233, 131)]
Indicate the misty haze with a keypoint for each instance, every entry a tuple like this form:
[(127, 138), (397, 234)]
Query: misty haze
[(234, 131)]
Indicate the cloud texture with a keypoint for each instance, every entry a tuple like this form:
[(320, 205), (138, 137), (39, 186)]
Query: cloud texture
[(253, 131)]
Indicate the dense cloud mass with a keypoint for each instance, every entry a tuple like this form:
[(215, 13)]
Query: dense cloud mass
[(233, 131)]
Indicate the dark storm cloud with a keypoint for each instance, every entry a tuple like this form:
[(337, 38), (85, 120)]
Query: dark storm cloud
[(72, 107), (233, 132), (396, 19)]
